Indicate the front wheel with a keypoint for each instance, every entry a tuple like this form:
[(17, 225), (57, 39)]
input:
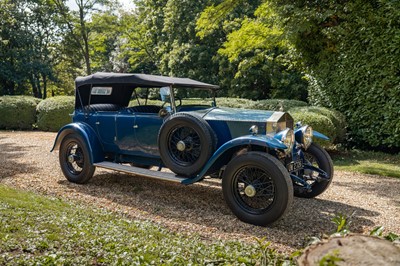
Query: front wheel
[(318, 157), (74, 160), (257, 188)]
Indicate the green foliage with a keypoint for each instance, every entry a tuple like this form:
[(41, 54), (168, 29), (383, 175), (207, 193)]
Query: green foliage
[(235, 103), (53, 113), (270, 104), (39, 230), (29, 31), (378, 231), (330, 259), (279, 104), (350, 49), (317, 121), (338, 120), (17, 112), (342, 223)]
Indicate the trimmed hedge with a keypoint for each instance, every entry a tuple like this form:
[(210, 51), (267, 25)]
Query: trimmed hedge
[(17, 112), (337, 119), (278, 104), (235, 103), (317, 121), (53, 113)]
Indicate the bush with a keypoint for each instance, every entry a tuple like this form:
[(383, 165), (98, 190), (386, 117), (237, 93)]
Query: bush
[(358, 73), (17, 112), (53, 113), (235, 103), (338, 120), (270, 104), (317, 121), (278, 104)]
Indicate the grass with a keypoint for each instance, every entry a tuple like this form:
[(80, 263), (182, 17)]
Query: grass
[(38, 230), (368, 162)]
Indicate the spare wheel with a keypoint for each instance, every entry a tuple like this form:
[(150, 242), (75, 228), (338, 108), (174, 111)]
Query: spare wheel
[(185, 142)]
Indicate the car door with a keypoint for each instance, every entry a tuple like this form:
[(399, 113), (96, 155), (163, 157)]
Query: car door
[(106, 130), (126, 140), (137, 133), (147, 126)]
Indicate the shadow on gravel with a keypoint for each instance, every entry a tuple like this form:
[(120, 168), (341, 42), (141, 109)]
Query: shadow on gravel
[(9, 152), (384, 187), (203, 204)]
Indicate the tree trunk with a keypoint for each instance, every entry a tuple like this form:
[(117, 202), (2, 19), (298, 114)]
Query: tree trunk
[(351, 250), (39, 89), (34, 88), (44, 86), (85, 37)]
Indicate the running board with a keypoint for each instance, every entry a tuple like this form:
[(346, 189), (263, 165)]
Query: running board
[(140, 171)]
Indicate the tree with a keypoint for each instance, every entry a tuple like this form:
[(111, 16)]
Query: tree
[(28, 32), (260, 59), (77, 24), (349, 51)]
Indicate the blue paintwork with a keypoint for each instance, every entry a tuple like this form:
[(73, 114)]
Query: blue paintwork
[(320, 135), (299, 134), (132, 137), (88, 135), (257, 140), (237, 115)]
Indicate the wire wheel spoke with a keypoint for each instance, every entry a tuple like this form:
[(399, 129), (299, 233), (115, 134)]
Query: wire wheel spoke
[(75, 158), (192, 145), (309, 175), (254, 189)]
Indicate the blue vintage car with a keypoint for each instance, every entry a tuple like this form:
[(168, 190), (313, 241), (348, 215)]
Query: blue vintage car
[(262, 157)]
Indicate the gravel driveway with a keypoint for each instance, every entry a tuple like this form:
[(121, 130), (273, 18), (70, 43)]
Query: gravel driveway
[(26, 163)]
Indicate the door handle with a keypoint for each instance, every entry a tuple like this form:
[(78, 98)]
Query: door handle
[(135, 126)]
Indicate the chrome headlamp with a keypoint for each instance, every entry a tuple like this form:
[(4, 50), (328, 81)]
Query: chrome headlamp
[(287, 137), (304, 136)]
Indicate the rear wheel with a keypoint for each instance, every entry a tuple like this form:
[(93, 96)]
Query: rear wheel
[(74, 159), (318, 157), (257, 188)]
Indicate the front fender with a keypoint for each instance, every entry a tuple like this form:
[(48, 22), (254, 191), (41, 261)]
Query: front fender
[(87, 134), (256, 140), (320, 135)]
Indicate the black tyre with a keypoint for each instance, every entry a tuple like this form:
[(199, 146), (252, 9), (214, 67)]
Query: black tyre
[(74, 160), (257, 188), (318, 157), (185, 142)]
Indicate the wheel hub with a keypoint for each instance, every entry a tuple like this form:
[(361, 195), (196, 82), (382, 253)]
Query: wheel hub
[(181, 146), (250, 191), (71, 158)]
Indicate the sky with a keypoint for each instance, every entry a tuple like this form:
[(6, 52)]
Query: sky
[(126, 4)]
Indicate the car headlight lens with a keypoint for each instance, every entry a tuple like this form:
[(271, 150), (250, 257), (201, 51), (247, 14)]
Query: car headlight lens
[(287, 139), (307, 136)]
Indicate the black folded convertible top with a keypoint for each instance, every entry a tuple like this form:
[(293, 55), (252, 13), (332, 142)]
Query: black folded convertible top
[(141, 80)]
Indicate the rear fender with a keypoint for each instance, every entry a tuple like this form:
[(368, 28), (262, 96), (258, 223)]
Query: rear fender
[(226, 151), (87, 134)]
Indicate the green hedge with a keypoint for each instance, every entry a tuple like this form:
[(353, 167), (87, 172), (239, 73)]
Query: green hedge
[(53, 113), (17, 112), (236, 103), (318, 121), (270, 104), (337, 119), (278, 104)]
